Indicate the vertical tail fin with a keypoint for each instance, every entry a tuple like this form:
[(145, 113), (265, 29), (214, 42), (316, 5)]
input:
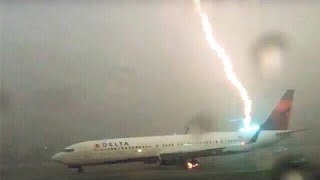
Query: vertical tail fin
[(280, 116)]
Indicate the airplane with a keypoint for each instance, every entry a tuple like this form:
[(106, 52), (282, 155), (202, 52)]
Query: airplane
[(180, 150)]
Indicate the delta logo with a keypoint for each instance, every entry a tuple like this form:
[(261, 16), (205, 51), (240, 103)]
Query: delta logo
[(111, 144)]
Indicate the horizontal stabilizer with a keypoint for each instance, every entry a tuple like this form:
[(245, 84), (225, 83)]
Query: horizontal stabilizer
[(290, 132)]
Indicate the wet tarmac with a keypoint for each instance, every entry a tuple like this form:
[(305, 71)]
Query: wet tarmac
[(56, 172), (254, 165)]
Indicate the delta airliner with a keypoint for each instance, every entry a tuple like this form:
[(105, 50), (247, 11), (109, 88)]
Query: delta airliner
[(180, 149)]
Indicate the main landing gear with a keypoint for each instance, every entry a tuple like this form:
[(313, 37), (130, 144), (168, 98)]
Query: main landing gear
[(186, 163), (191, 164)]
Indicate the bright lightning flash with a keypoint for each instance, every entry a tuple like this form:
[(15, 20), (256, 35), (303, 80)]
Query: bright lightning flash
[(227, 64)]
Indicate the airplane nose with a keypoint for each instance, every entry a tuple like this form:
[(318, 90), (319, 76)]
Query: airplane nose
[(57, 158)]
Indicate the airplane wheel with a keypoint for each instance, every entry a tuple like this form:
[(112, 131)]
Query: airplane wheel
[(191, 164)]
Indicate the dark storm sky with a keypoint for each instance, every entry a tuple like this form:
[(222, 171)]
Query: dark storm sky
[(80, 70)]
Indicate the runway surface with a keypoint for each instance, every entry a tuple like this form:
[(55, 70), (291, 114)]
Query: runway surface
[(53, 172), (254, 165)]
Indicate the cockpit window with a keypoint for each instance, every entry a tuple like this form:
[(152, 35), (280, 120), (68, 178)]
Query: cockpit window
[(67, 150)]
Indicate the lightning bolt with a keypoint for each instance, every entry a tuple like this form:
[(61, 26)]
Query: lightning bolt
[(227, 64)]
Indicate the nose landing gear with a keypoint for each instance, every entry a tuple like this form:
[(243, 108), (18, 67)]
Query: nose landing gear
[(80, 169)]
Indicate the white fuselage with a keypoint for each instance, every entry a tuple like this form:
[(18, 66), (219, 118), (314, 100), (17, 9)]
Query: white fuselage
[(140, 148)]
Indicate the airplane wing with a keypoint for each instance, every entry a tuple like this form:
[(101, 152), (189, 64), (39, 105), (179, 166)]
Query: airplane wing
[(191, 154), (183, 155)]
